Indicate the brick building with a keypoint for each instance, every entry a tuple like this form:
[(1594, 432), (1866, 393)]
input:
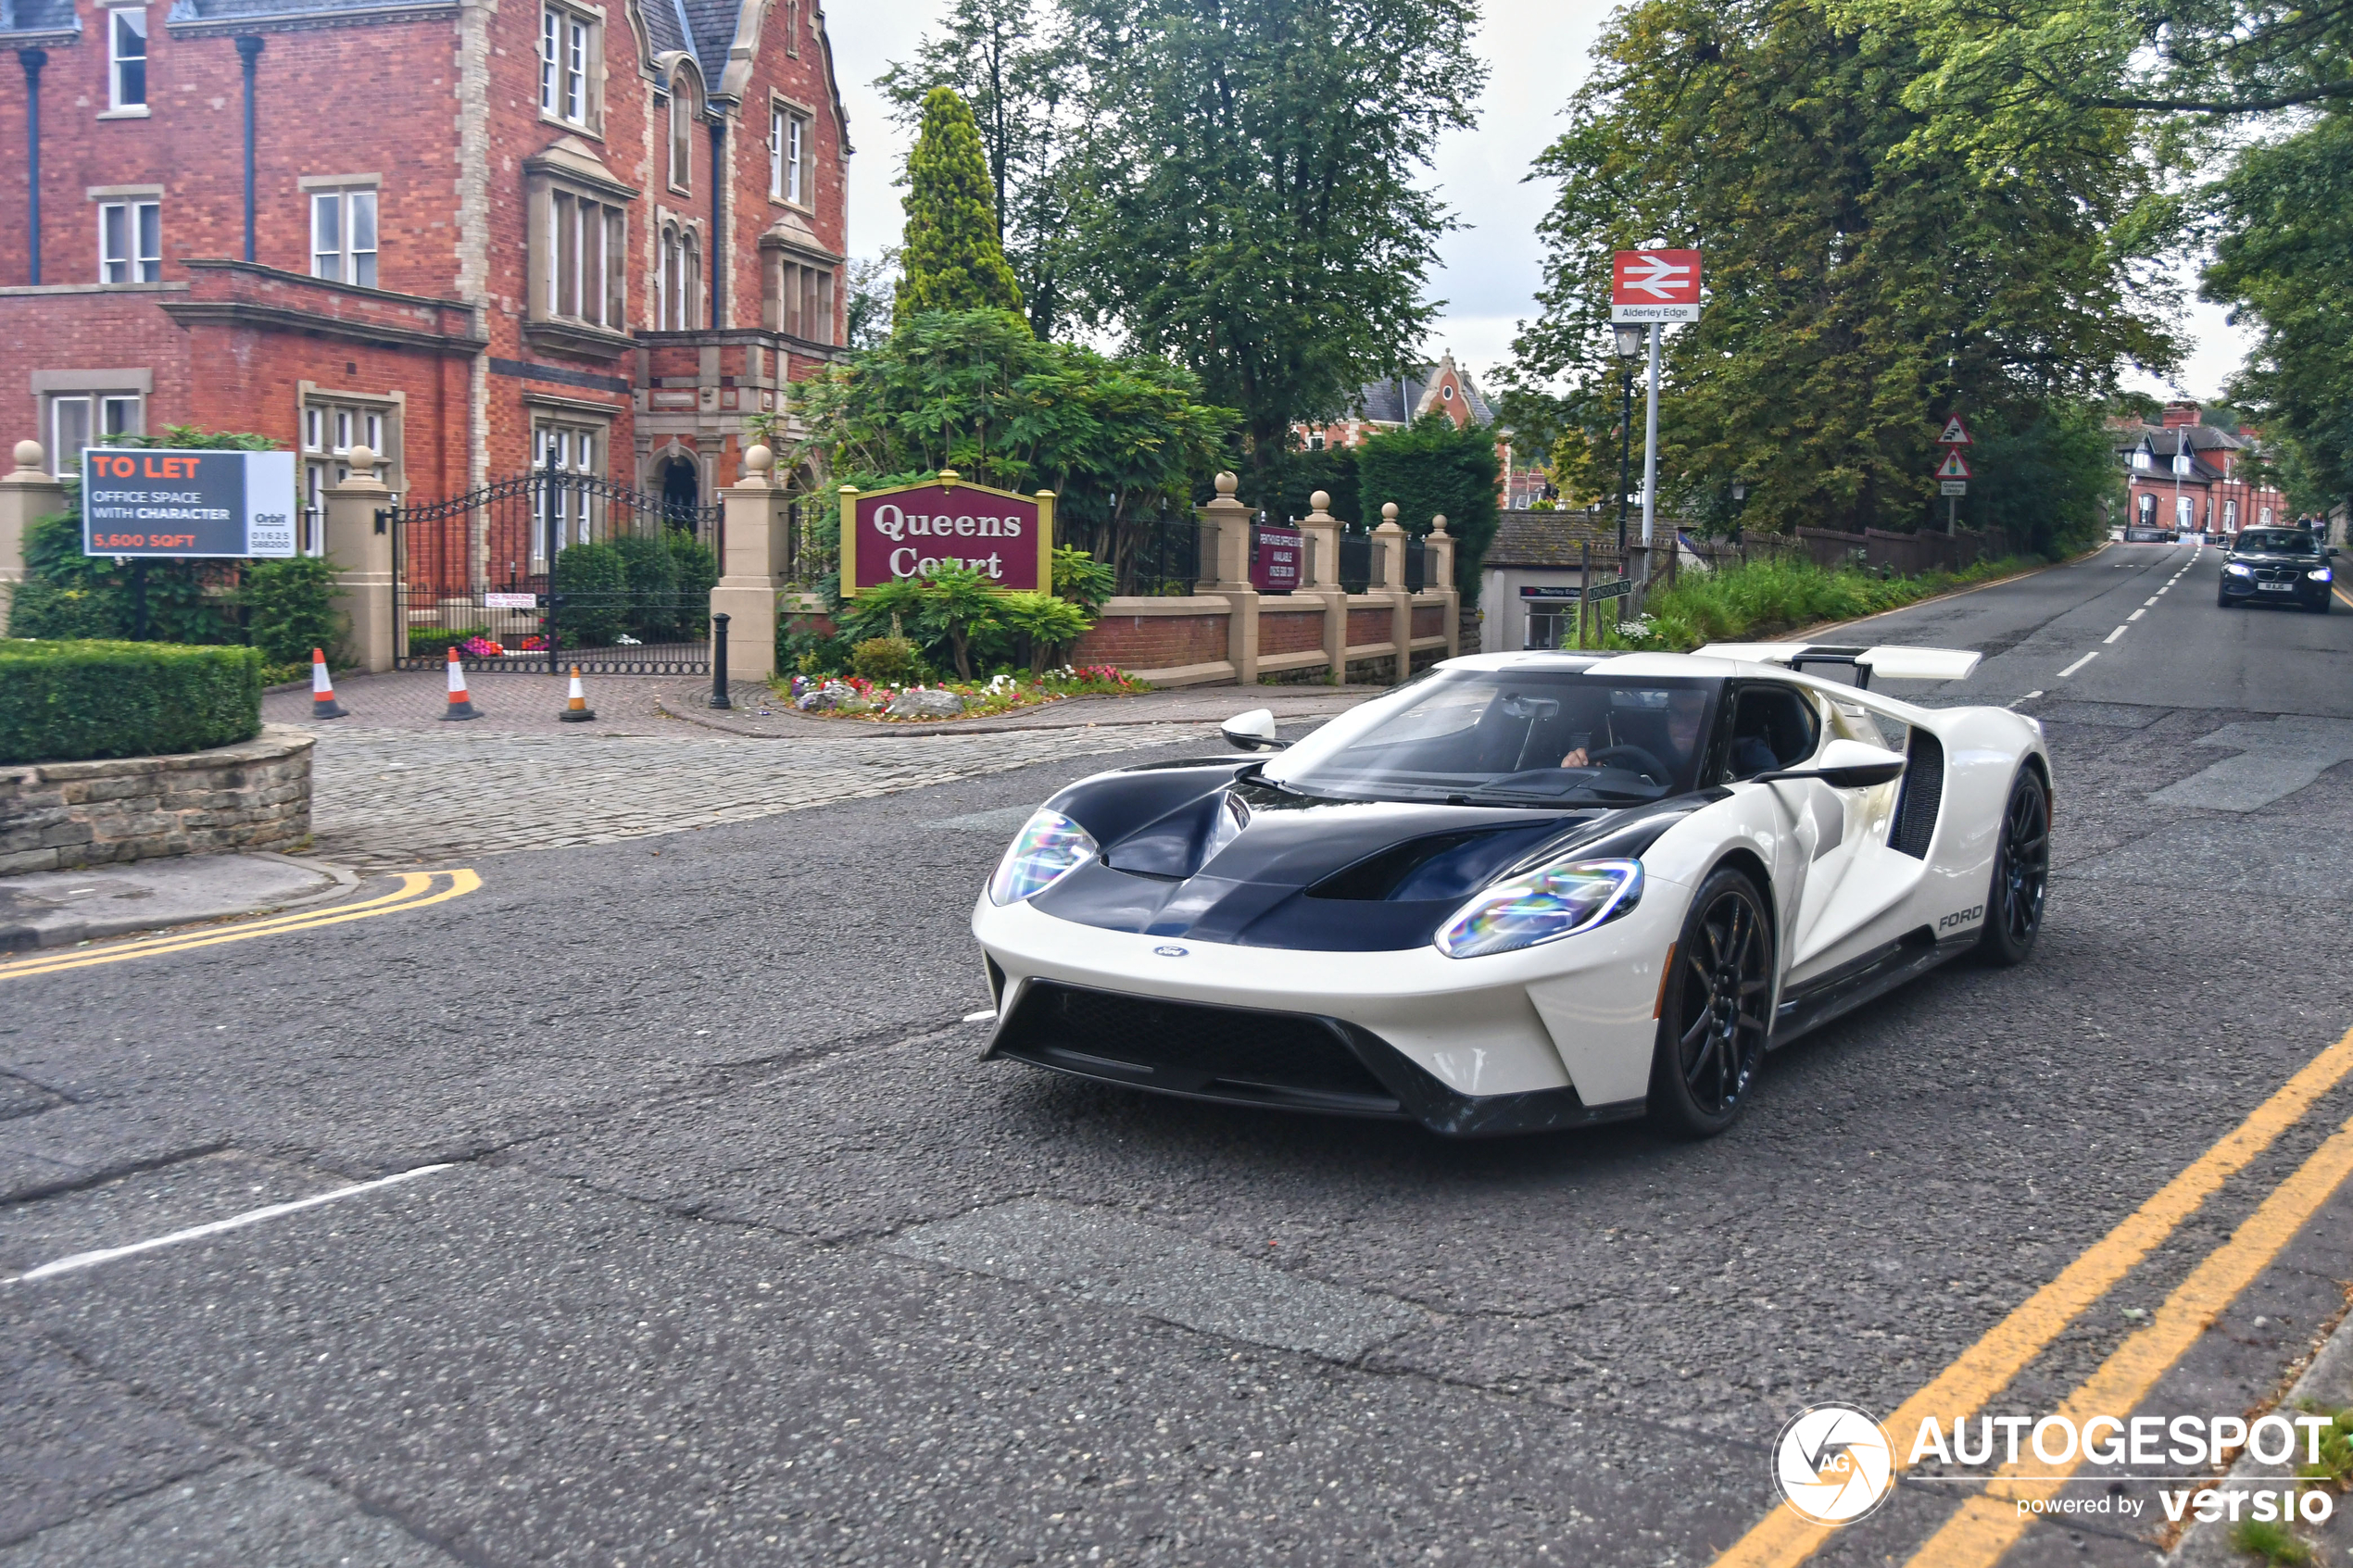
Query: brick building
[(2187, 476), (469, 236), (1393, 404)]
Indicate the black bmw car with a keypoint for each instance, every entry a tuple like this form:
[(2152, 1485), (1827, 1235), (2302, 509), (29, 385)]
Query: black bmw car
[(2277, 565)]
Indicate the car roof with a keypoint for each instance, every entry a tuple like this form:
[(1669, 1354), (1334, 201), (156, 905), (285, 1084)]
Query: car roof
[(1619, 664)]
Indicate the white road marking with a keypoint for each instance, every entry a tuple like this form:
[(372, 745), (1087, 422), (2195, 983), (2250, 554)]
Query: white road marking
[(234, 1222), (2150, 600), (2028, 697), (2138, 613), (986, 1015), (2079, 664), (2113, 635)]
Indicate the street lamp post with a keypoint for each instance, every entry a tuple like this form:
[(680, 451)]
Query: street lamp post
[(1631, 342)]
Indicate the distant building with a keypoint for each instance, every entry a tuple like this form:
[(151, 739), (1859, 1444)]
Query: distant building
[(2187, 476), (1393, 404)]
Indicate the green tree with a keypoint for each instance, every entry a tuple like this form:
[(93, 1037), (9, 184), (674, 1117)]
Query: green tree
[(992, 53), (873, 284), (1119, 441), (1250, 199), (951, 256), (1431, 469), (2284, 260), (1859, 289)]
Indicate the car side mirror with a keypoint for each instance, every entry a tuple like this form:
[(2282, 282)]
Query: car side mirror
[(1847, 764), (1253, 730)]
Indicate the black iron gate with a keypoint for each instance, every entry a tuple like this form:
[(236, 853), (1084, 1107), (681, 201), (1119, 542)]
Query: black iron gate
[(508, 577)]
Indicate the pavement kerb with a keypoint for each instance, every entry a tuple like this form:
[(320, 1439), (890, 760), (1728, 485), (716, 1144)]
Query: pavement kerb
[(692, 711), (342, 882)]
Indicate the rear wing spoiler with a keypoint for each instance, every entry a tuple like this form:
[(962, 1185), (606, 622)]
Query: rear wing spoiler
[(1892, 663)]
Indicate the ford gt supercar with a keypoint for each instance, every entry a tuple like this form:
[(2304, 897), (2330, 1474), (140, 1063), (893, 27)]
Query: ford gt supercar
[(1523, 891)]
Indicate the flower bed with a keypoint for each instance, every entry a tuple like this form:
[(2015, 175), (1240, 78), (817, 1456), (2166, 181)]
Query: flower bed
[(854, 696)]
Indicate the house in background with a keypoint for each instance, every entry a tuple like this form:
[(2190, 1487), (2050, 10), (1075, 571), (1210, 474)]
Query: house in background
[(1444, 388), (2187, 476), (474, 238)]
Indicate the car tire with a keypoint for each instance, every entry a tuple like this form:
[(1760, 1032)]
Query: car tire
[(2021, 874), (1715, 1010)]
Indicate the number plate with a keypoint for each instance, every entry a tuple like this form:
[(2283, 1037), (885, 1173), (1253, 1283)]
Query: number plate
[(2277, 588)]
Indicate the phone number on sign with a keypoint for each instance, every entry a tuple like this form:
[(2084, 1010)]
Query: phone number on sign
[(141, 541)]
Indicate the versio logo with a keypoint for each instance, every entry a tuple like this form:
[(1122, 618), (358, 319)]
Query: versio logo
[(1833, 1463)]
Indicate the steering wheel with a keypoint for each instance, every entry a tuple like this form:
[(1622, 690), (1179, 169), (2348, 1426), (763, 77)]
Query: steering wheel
[(1644, 763)]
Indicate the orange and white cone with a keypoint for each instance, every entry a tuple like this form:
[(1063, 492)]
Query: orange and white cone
[(459, 706), (576, 709), (322, 690)]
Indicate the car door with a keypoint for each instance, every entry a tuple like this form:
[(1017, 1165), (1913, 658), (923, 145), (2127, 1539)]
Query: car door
[(1860, 891), (1770, 725)]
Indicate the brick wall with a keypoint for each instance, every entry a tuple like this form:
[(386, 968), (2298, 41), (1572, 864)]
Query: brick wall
[(255, 795), (1429, 621), (1153, 642), (1367, 627), (1290, 631)]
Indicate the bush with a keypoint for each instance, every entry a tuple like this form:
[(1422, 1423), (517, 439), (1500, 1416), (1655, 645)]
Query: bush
[(801, 649), (592, 580), (698, 575), (890, 660), (1743, 602), (435, 641), (57, 611), (67, 701), (290, 607), (649, 573)]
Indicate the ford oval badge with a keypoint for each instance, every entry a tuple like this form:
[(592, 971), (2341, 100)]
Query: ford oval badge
[(1169, 952)]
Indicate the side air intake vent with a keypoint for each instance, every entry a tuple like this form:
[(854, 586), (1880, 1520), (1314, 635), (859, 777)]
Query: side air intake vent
[(1923, 792)]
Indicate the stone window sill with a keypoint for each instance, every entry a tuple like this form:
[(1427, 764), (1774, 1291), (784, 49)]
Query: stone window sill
[(135, 111)]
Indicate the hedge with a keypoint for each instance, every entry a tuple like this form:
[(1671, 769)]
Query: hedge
[(67, 701)]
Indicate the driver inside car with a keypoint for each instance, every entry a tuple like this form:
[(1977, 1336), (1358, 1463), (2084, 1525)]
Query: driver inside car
[(1685, 709)]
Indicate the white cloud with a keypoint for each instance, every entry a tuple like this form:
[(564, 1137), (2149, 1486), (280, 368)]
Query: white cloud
[(1490, 269)]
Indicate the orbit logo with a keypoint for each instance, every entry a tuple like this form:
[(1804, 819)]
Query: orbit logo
[(1833, 1463)]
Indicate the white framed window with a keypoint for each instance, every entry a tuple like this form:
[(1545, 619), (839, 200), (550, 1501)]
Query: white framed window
[(333, 424), (683, 102), (569, 51), (678, 289), (90, 419), (788, 156), (127, 57), (131, 242), (2267, 517), (568, 449), (343, 236), (584, 271)]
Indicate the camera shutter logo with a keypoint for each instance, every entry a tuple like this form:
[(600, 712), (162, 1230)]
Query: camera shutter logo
[(1833, 1463)]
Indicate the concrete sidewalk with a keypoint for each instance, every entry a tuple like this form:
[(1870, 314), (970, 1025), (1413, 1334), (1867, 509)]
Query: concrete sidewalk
[(59, 909), (761, 712)]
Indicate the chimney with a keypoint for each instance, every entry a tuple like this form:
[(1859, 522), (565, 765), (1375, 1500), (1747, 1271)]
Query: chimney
[(2179, 414)]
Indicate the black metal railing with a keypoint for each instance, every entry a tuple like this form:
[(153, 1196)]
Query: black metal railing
[(1157, 558)]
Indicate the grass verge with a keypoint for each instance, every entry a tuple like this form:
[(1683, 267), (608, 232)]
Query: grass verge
[(1752, 603)]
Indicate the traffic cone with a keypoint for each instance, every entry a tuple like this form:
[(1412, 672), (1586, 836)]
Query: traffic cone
[(576, 709), (459, 707), (322, 690)]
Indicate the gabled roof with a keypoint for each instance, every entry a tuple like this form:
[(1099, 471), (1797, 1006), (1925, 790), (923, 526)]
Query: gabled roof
[(1546, 538), (1398, 401)]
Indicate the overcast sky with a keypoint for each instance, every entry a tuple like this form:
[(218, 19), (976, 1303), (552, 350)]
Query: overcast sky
[(1490, 269)]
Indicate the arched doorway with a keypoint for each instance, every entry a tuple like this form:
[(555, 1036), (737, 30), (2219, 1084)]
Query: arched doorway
[(680, 492)]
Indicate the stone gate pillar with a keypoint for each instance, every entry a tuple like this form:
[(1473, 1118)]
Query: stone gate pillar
[(1437, 575), (1231, 521), (757, 518), (26, 496), (1391, 537), (1322, 530), (360, 544)]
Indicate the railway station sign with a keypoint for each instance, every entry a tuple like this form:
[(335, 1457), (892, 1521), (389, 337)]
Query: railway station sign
[(901, 533), (1654, 286), (158, 501)]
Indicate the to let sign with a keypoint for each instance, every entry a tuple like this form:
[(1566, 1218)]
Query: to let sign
[(152, 501), (1654, 285), (1275, 568), (892, 535)]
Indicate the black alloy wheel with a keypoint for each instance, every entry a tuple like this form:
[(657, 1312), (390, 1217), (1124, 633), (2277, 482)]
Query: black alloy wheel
[(1717, 1010), (2021, 873)]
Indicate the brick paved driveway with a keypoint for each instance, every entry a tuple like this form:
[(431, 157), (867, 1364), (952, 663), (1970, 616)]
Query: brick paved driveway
[(401, 797)]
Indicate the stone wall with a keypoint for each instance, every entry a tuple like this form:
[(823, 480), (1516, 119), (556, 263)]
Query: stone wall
[(55, 816)]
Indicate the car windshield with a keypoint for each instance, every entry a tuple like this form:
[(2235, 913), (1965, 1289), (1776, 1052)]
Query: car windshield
[(1509, 737), (2278, 541)]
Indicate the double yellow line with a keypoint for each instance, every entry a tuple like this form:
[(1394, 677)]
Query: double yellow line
[(417, 890), (1988, 1526)]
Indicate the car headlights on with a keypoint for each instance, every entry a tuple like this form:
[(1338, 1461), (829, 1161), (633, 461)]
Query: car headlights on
[(2320, 576), (1049, 846), (1544, 906), (2235, 570)]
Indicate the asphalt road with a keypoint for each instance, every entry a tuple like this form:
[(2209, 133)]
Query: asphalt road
[(740, 1256)]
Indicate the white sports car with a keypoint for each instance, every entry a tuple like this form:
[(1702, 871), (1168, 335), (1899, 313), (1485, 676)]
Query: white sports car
[(1524, 891)]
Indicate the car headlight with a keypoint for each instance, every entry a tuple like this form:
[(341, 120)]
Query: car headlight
[(2235, 570), (1544, 906), (2320, 576), (1049, 846)]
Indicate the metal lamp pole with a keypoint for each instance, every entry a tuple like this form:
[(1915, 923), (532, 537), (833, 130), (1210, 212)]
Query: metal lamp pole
[(1628, 344), (1650, 456)]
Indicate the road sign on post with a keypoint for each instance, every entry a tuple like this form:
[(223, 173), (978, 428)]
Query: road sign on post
[(1953, 487), (1955, 466), (1957, 434), (1654, 285), (1952, 474)]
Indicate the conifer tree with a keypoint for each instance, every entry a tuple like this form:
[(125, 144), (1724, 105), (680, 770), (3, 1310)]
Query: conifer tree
[(953, 254)]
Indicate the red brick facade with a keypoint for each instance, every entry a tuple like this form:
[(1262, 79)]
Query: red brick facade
[(539, 273), (1289, 631), (1154, 642), (2187, 476)]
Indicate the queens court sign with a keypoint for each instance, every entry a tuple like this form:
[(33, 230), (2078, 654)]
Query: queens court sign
[(914, 528)]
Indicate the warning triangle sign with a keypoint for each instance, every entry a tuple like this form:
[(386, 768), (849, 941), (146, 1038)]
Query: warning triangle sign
[(1954, 467), (1955, 433)]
